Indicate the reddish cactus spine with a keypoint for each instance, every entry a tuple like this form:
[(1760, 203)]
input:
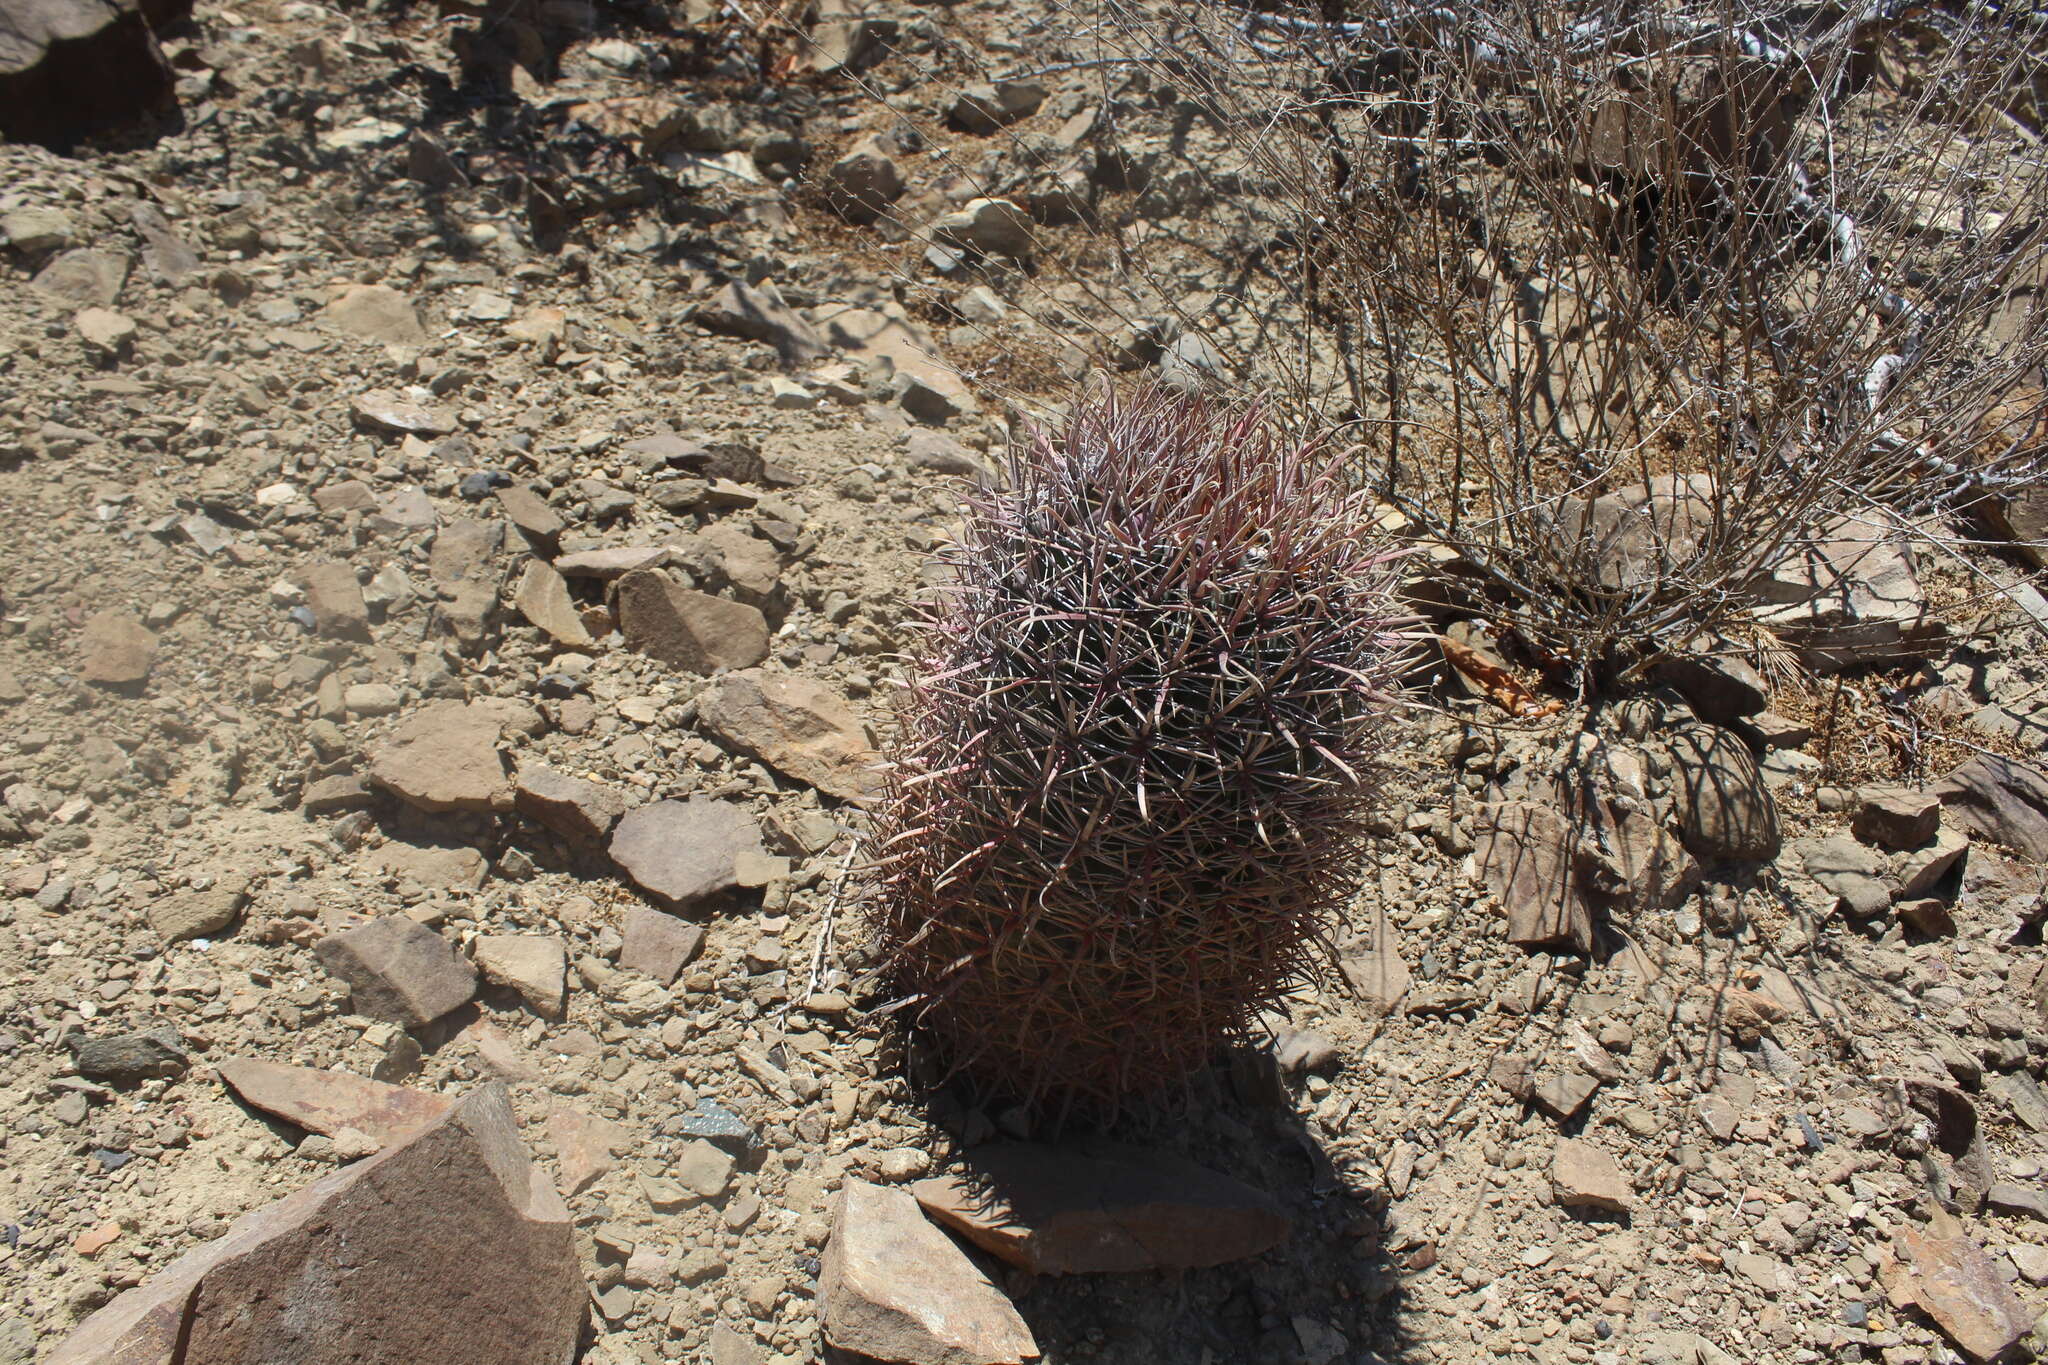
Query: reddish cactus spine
[(1133, 758)]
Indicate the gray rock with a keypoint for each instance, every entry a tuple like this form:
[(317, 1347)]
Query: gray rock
[(1854, 873), (398, 970), (861, 185), (88, 277), (719, 1126), (394, 414), (447, 1246), (131, 1058), (684, 852), (760, 314), (199, 914), (995, 227), (983, 108), (375, 312)]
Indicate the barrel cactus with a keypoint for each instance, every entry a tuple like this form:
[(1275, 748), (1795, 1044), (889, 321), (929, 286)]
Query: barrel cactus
[(1134, 754)]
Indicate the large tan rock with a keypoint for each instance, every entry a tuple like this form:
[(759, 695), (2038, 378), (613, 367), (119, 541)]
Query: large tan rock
[(444, 757), (1101, 1206), (1584, 1176), (683, 852), (893, 1287), (800, 728), (375, 312), (448, 1247)]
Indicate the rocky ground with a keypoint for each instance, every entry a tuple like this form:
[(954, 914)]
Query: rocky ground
[(448, 607)]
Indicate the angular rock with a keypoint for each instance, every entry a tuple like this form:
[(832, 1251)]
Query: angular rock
[(1895, 817), (88, 278), (720, 1127), (394, 414), (104, 330), (1636, 535), (683, 852), (1852, 871), (331, 1101), (800, 728), (447, 1247), (35, 229), (131, 1058), (995, 227), (1584, 1176), (375, 312), (398, 970), (1657, 870), (616, 562), (536, 966), (1953, 1281), (570, 806), (861, 185), (1097, 1206), (73, 67), (983, 108), (336, 600), (1849, 596), (893, 1287), (543, 599), (1725, 812), (687, 629), (1919, 871), (759, 314), (658, 944), (584, 1145), (702, 1169), (169, 257), (541, 524), (1721, 686), (1529, 855), (444, 757), (2000, 799), (118, 650)]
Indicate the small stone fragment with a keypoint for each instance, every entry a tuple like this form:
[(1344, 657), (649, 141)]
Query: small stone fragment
[(330, 1101), (687, 629), (1895, 817), (682, 852), (131, 1058), (570, 806), (444, 757), (659, 944), (800, 728), (119, 651)]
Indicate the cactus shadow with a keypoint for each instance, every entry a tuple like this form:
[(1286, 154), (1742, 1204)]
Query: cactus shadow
[(1329, 1293)]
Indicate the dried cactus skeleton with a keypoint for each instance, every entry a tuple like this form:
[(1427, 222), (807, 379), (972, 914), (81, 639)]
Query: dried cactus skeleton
[(1135, 752)]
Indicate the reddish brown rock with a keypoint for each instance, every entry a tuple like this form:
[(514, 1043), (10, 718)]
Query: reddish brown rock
[(448, 1247), (542, 597), (444, 757), (1101, 1206), (329, 1101), (398, 970), (336, 601), (2000, 799), (1953, 1281), (797, 727), (1895, 817), (686, 629), (683, 852), (893, 1287)]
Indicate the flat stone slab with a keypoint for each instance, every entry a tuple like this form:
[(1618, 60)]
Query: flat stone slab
[(683, 852), (444, 757), (329, 1101), (1100, 1206), (447, 1247)]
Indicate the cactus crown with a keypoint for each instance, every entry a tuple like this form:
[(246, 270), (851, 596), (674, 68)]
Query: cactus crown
[(1134, 754)]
